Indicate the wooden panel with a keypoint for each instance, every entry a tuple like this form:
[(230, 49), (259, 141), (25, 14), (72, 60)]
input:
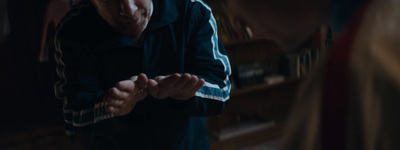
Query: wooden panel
[(248, 140), (255, 50), (260, 103)]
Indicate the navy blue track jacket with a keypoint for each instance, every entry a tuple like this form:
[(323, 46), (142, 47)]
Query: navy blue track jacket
[(181, 37)]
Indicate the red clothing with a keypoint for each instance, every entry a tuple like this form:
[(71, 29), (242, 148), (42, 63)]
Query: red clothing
[(352, 98)]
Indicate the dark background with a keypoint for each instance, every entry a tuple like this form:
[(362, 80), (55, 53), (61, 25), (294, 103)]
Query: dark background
[(27, 102)]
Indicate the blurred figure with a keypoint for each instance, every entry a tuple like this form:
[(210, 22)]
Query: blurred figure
[(288, 22), (351, 99)]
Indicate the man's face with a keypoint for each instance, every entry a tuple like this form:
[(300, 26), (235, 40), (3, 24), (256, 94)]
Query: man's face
[(286, 22), (128, 17)]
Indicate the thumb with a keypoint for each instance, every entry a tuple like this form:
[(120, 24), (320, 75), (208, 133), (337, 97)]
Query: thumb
[(141, 81)]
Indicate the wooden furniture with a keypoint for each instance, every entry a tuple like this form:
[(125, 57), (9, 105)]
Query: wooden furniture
[(256, 114)]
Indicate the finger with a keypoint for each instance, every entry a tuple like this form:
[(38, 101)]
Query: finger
[(156, 91), (108, 98), (191, 83), (169, 81), (153, 87), (183, 81), (159, 78), (116, 93), (112, 101), (115, 103), (126, 85), (198, 85), (142, 93), (112, 109), (141, 81), (134, 78)]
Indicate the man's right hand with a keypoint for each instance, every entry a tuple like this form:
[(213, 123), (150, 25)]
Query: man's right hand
[(122, 98)]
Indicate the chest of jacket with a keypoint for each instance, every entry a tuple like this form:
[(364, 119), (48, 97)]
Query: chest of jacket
[(159, 52)]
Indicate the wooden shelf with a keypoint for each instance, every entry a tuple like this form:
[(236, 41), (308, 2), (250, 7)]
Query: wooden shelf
[(263, 102), (241, 129), (261, 87), (248, 140)]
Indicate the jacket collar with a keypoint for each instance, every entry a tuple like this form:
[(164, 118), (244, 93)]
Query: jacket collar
[(165, 12)]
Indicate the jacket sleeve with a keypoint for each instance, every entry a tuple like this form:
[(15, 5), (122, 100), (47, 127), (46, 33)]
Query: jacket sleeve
[(78, 85), (207, 58)]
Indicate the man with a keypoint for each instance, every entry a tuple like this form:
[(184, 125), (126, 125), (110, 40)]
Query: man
[(141, 74), (351, 100)]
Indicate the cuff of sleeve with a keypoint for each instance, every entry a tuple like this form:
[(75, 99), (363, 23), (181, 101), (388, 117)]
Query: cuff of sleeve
[(182, 104), (100, 112)]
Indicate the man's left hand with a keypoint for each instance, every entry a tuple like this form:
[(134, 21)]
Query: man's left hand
[(176, 86)]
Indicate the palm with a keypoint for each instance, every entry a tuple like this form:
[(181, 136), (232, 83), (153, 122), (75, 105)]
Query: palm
[(180, 87)]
